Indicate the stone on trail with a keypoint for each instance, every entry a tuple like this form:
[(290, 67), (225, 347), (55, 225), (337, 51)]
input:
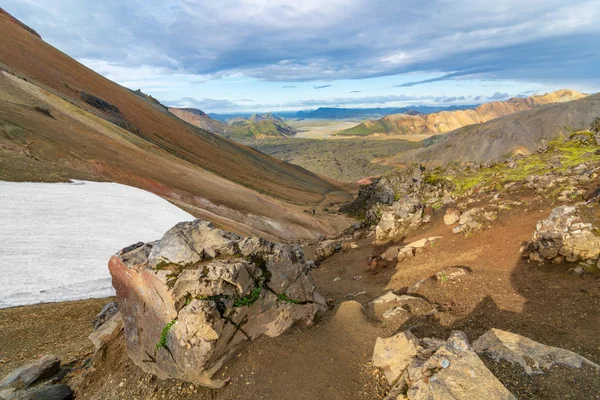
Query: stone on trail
[(193, 299), (393, 355), (454, 371), (534, 357), (452, 216), (381, 307), (45, 367)]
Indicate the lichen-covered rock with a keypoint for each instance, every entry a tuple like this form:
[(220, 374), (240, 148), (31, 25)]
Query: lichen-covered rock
[(454, 371), (563, 234), (534, 357), (198, 295)]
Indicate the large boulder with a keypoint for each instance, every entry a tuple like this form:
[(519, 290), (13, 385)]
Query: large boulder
[(454, 371), (564, 234), (194, 298), (534, 357)]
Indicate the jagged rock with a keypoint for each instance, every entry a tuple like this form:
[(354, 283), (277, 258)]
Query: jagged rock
[(188, 310), (534, 357), (563, 233), (26, 375), (454, 371), (452, 216), (105, 314), (47, 392), (107, 331), (399, 220), (393, 355), (326, 249), (385, 306)]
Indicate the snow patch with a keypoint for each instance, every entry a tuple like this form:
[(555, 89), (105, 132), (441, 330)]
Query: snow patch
[(56, 238)]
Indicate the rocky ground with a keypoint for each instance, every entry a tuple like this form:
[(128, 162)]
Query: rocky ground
[(460, 251)]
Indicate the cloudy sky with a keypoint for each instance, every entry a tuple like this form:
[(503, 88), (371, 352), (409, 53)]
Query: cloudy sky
[(241, 55)]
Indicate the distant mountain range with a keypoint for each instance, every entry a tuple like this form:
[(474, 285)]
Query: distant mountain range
[(257, 126), (518, 133), (446, 121), (347, 113)]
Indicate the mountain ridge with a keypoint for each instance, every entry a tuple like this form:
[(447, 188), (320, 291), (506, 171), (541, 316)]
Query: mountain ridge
[(447, 121)]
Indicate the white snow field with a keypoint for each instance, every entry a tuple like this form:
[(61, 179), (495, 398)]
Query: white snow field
[(56, 238)]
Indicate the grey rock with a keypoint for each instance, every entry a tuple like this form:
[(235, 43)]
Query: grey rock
[(48, 392), (532, 356), (105, 314), (43, 368)]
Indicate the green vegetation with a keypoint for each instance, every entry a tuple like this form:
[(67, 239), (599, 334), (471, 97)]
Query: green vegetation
[(570, 154), (364, 129), (284, 297), (162, 342), (249, 299)]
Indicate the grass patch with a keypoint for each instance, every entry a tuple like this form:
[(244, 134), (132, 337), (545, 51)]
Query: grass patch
[(250, 298), (162, 342), (284, 297)]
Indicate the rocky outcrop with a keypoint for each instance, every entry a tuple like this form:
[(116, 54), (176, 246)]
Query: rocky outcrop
[(198, 295), (399, 220), (454, 371), (423, 369), (534, 357), (564, 235)]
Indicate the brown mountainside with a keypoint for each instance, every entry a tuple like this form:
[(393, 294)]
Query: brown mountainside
[(60, 120)]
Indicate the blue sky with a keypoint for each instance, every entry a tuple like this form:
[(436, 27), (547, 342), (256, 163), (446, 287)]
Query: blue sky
[(268, 55)]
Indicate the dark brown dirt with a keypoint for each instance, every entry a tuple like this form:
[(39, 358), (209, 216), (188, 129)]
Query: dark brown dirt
[(61, 329)]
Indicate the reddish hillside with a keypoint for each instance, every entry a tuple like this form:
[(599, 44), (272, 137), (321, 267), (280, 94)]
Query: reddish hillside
[(155, 150)]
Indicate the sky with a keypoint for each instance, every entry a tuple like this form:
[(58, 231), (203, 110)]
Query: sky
[(233, 56)]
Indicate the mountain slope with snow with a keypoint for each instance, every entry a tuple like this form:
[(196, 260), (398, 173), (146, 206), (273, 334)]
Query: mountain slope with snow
[(56, 238)]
